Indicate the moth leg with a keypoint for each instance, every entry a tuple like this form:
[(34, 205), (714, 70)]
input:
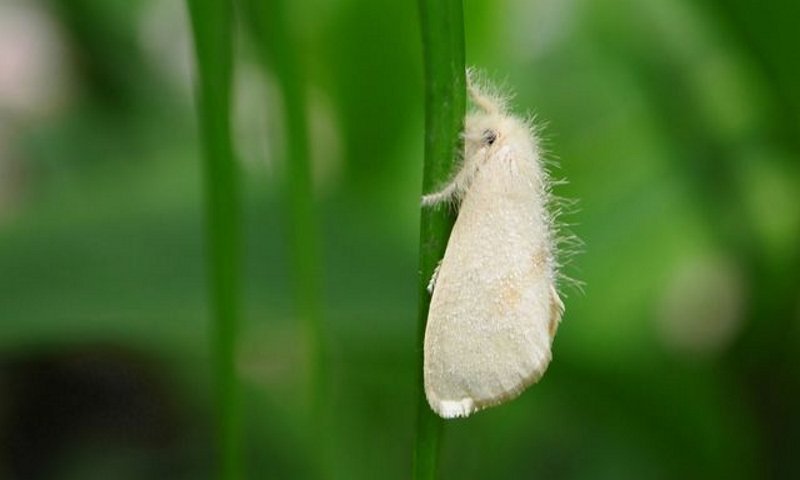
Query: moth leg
[(444, 195), (432, 282), (453, 190)]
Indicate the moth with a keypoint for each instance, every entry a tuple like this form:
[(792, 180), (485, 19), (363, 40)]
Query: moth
[(494, 309)]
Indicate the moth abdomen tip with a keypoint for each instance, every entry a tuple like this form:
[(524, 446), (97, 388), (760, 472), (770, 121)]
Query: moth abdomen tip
[(455, 408)]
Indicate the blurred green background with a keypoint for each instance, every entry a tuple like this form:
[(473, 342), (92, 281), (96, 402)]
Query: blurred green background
[(676, 124)]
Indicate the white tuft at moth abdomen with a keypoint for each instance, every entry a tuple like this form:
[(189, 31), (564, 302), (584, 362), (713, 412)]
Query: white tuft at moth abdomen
[(494, 309)]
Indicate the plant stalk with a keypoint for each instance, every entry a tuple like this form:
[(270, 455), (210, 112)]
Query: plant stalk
[(442, 23), (277, 45), (212, 28)]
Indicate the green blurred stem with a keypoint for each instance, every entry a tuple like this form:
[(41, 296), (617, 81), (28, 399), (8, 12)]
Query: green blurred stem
[(278, 46), (445, 104), (212, 23)]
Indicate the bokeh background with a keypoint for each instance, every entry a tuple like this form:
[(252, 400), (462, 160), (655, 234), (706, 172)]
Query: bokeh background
[(676, 124)]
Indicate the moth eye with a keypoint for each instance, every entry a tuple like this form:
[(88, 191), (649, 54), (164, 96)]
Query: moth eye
[(489, 136)]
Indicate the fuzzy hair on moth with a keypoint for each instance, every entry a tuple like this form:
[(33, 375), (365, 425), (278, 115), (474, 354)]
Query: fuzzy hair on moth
[(494, 309)]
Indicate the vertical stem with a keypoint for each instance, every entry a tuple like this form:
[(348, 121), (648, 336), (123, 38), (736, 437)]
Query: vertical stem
[(212, 23), (445, 104), (277, 45)]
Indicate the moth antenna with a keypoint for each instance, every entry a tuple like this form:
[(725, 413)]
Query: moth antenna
[(483, 102), (486, 102)]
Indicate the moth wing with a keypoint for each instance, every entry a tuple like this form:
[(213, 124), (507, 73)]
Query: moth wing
[(494, 308)]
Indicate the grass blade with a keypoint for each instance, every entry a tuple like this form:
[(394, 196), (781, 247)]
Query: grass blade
[(445, 105), (212, 25), (277, 45)]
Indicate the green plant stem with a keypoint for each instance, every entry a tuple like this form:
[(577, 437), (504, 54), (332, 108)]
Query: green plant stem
[(445, 105), (212, 24), (277, 45)]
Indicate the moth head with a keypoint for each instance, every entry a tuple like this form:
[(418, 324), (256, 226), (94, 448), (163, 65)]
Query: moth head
[(487, 132), (482, 133), (490, 127)]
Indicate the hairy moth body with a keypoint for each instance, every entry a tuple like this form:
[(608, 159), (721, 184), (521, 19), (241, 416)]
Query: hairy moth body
[(494, 308)]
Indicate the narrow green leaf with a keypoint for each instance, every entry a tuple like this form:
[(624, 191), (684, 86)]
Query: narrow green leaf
[(212, 25), (277, 45), (445, 104)]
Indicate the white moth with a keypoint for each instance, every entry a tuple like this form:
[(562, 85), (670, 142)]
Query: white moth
[(495, 308)]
